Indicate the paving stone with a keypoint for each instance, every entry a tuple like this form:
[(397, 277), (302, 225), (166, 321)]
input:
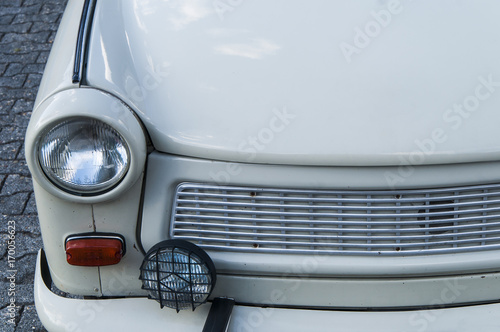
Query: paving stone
[(13, 82), (52, 37), (11, 134), (9, 151), (7, 121), (20, 154), (25, 268), (23, 105), (6, 19), (14, 167), (23, 18), (26, 244), (9, 10), (33, 80), (30, 2), (23, 224), (24, 293), (7, 93), (3, 67), (32, 9), (35, 68), (29, 93), (39, 37), (50, 8), (3, 253), (17, 28), (27, 29), (6, 105), (13, 204), (17, 280), (14, 55), (29, 320), (14, 69), (15, 184), (42, 58), (22, 119), (12, 3), (5, 316), (43, 26), (24, 48), (30, 206)]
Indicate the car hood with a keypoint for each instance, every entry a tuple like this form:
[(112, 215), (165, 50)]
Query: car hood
[(347, 82)]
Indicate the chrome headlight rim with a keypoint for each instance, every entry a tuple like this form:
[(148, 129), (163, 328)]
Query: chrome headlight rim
[(75, 189), (98, 105)]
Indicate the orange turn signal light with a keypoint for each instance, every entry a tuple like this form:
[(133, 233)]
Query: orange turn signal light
[(94, 250)]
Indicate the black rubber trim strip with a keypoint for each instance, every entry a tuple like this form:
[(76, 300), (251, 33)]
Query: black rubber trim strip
[(219, 315), (82, 41), (44, 267)]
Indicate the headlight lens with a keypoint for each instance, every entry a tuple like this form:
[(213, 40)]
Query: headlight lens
[(83, 156)]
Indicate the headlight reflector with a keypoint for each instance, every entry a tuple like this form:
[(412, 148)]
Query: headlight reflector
[(178, 274), (84, 156)]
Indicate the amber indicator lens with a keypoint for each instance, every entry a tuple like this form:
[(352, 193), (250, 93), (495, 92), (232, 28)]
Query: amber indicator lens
[(94, 251)]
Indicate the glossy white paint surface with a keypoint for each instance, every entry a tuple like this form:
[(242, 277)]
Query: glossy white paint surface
[(274, 82), (136, 314)]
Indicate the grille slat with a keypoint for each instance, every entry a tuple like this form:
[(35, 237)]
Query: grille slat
[(316, 207), (284, 237), (393, 222), (261, 229), (334, 215), (374, 246), (342, 222), (347, 200)]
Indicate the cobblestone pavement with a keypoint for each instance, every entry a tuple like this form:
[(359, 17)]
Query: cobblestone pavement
[(27, 29)]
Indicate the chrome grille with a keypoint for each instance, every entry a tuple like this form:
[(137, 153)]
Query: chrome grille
[(399, 222)]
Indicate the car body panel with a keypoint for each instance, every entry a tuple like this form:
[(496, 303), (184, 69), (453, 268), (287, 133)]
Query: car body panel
[(272, 82), (62, 214), (63, 314), (59, 219), (160, 188), (276, 102)]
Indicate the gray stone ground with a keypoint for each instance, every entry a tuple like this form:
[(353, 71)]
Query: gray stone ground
[(27, 29)]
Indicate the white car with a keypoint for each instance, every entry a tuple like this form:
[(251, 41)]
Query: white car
[(270, 166)]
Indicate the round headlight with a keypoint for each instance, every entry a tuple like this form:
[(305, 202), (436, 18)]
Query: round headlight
[(83, 156), (178, 274)]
